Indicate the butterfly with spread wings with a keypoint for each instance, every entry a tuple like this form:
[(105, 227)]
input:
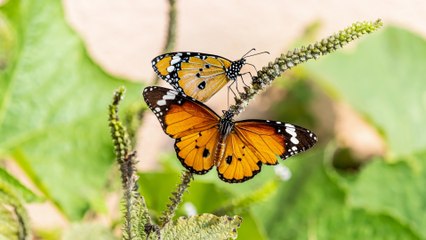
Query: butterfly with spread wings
[(199, 75), (238, 149)]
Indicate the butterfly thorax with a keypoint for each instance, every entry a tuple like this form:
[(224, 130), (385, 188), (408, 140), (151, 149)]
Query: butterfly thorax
[(226, 125), (234, 70)]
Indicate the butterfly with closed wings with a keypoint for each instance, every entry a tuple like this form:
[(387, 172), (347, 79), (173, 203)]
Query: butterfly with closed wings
[(204, 139), (199, 75)]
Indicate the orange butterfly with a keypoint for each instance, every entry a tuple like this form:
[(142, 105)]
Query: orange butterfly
[(199, 75), (238, 149)]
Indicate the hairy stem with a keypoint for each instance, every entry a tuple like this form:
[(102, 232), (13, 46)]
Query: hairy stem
[(171, 29), (134, 204), (171, 32), (293, 58), (176, 198)]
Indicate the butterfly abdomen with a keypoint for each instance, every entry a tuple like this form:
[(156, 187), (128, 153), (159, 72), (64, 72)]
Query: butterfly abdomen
[(225, 128), (219, 153)]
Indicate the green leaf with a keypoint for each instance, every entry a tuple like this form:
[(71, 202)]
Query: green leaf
[(7, 181), (53, 108), (6, 44), (312, 206), (9, 227), (14, 222), (397, 190), (206, 226), (383, 78)]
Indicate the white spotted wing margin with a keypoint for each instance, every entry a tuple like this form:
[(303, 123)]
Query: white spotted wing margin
[(160, 100)]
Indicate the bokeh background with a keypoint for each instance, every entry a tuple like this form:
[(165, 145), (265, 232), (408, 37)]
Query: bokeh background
[(61, 61)]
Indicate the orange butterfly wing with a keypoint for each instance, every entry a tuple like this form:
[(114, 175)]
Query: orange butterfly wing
[(196, 151), (254, 142), (198, 75), (193, 125), (239, 163)]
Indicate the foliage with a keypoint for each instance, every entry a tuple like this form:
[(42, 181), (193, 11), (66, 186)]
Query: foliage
[(53, 100), (14, 221)]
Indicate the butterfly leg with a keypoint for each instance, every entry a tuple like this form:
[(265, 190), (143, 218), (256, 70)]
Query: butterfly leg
[(230, 89), (242, 79)]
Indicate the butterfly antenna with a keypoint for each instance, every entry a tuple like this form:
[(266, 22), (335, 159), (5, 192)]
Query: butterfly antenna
[(251, 50), (257, 54)]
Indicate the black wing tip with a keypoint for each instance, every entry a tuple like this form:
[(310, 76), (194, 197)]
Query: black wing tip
[(294, 149), (149, 88), (146, 91)]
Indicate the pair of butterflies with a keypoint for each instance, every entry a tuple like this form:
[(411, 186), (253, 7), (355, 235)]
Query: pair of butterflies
[(203, 138)]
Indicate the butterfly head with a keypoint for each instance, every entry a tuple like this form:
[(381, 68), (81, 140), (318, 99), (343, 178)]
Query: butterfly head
[(234, 70)]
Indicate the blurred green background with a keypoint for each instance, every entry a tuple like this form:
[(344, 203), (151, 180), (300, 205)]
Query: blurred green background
[(364, 179)]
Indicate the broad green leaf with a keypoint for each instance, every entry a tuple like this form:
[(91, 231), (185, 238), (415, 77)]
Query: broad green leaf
[(10, 183), (206, 226), (312, 206), (53, 110), (383, 78), (6, 44), (397, 190)]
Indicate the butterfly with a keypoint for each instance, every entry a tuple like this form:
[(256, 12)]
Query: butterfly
[(237, 149), (199, 75)]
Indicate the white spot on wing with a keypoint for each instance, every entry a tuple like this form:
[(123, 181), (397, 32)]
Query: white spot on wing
[(294, 140), (170, 95), (161, 102), (176, 59), (292, 131), (170, 68)]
